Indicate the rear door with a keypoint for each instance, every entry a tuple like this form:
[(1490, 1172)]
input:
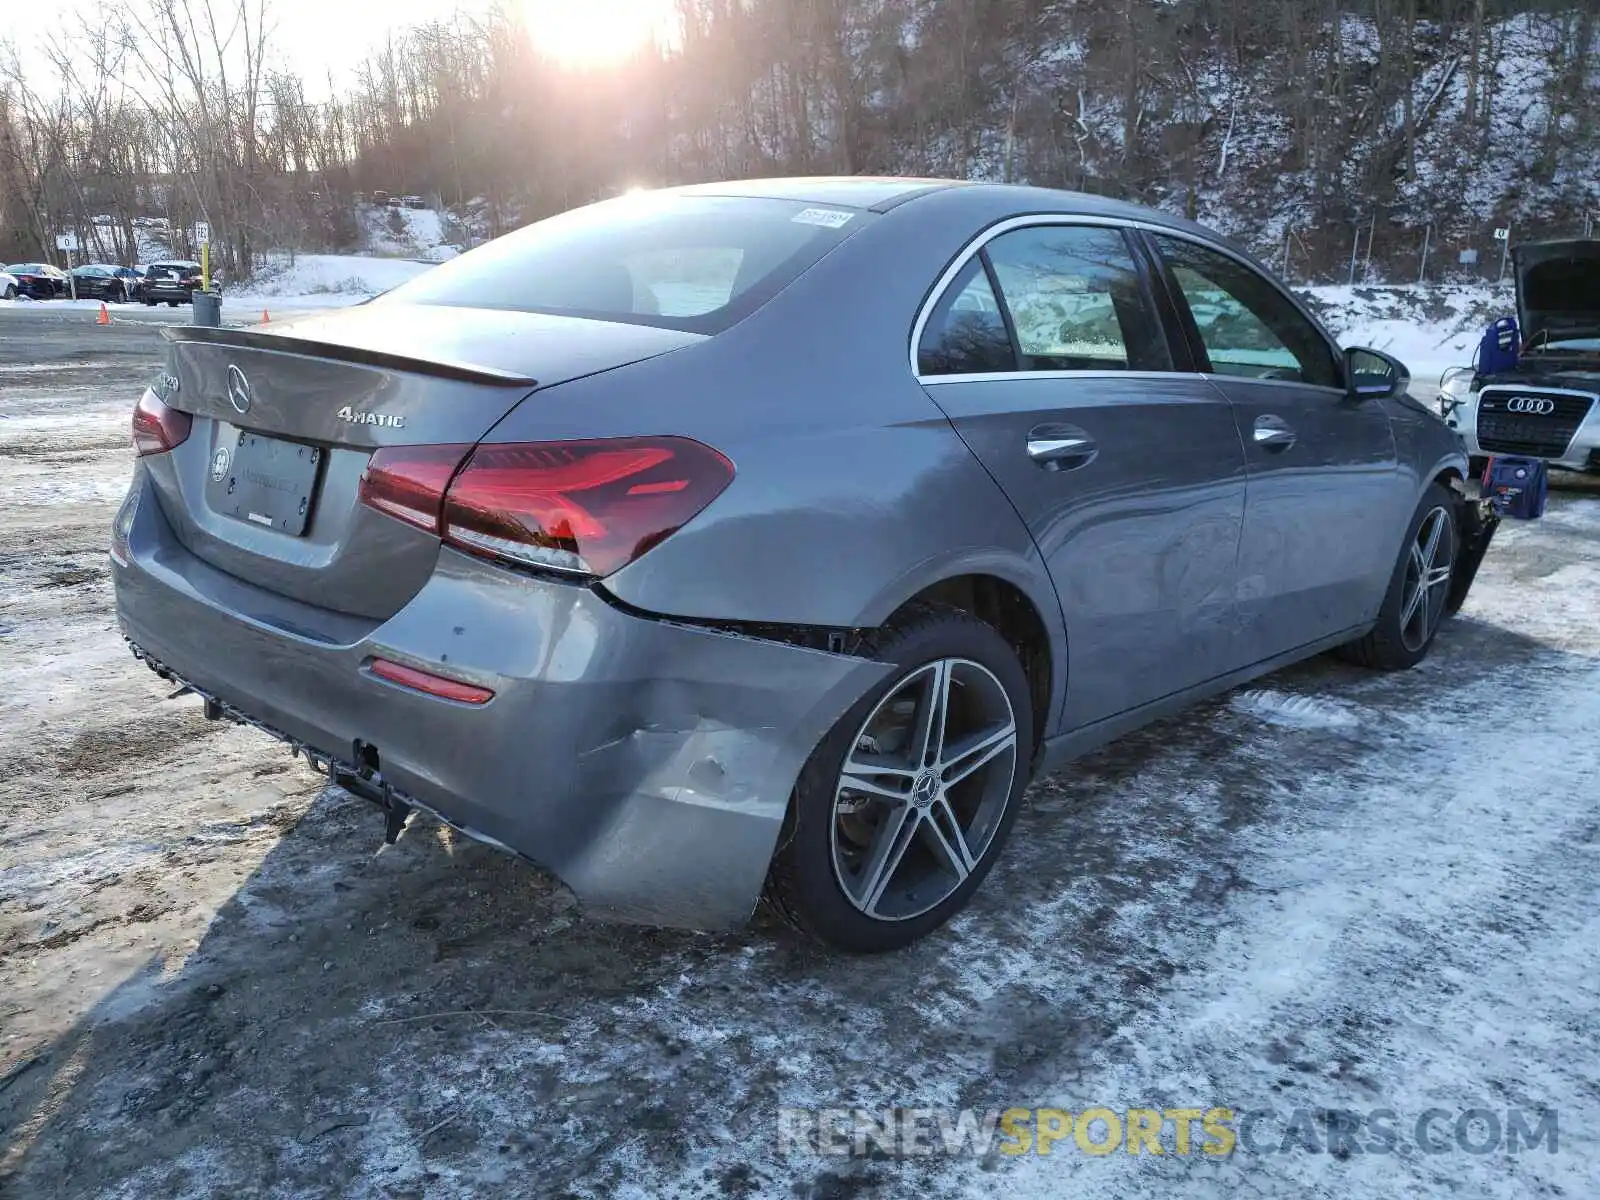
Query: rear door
[(1047, 352), (1316, 557)]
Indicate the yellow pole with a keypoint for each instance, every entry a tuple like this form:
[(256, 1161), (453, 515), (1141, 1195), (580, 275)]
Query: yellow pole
[(205, 266)]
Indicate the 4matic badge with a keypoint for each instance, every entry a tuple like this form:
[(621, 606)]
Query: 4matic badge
[(387, 420)]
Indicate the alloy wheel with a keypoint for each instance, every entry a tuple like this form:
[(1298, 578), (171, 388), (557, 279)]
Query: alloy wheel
[(924, 789), (1427, 582)]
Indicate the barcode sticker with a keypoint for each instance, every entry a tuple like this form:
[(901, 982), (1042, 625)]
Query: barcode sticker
[(829, 218)]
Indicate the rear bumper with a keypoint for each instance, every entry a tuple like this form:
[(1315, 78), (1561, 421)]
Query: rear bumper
[(646, 764)]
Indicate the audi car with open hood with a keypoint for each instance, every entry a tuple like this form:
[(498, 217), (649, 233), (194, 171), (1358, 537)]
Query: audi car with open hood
[(1548, 405), (767, 538)]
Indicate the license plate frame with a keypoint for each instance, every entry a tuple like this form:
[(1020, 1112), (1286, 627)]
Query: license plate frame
[(265, 481)]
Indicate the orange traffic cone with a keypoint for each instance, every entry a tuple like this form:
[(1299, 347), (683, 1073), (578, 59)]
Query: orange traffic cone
[(104, 318), (265, 316)]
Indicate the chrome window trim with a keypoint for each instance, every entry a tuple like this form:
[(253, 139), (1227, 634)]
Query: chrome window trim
[(1218, 377), (998, 376), (1034, 220)]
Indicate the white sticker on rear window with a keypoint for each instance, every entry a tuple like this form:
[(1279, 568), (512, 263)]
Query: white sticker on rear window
[(829, 218)]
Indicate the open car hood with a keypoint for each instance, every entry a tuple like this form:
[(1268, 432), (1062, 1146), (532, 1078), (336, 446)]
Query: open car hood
[(1558, 290)]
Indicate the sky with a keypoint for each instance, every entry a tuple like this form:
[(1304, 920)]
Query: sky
[(319, 37), (315, 36)]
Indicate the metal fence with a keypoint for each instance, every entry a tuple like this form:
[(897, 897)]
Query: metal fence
[(1377, 251)]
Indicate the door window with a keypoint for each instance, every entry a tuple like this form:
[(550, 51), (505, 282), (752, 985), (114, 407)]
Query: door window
[(1249, 328), (1075, 299), (966, 332)]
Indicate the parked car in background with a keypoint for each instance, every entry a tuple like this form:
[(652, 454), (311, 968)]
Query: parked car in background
[(8, 286), (41, 281), (105, 281), (172, 281), (1547, 405), (524, 542)]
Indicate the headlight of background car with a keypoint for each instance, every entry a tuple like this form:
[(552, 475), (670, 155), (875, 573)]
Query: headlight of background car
[(1455, 386)]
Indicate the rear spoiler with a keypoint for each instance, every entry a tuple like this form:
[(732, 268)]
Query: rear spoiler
[(281, 343)]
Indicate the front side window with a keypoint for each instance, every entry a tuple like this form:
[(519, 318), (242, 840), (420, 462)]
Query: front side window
[(1249, 328), (1076, 301), (966, 332)]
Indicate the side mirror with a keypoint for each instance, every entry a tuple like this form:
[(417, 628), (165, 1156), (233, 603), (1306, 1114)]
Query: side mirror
[(1374, 375)]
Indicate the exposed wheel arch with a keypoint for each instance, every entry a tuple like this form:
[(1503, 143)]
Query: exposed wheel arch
[(1009, 610)]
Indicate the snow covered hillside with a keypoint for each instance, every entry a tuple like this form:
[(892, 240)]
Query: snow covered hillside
[(324, 280), (1429, 328)]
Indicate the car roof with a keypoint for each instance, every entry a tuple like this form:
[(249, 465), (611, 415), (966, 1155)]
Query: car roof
[(998, 200), (877, 192)]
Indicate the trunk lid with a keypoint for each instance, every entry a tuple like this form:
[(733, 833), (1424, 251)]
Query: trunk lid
[(286, 417), (1558, 291)]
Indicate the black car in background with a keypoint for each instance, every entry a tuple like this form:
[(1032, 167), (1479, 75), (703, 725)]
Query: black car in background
[(104, 281), (41, 281), (174, 281)]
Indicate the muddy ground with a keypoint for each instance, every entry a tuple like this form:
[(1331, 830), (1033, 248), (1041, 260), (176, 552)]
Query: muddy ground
[(1330, 890)]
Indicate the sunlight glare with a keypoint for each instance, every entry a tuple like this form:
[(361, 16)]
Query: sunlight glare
[(592, 33)]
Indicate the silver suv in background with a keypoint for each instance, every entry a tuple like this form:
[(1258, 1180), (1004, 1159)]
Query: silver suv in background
[(1548, 405)]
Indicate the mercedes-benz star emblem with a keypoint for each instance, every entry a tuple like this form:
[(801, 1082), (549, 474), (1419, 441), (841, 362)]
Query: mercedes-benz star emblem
[(238, 390)]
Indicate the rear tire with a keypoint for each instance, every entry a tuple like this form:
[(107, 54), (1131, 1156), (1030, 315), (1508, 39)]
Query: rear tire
[(172, 304), (877, 856), (1409, 621)]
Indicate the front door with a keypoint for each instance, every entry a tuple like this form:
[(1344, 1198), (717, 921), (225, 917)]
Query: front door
[(1048, 357), (1321, 463)]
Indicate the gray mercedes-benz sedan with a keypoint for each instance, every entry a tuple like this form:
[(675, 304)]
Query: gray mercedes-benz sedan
[(769, 537)]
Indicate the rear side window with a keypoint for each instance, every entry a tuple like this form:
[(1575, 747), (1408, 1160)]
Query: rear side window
[(966, 332), (1249, 328), (1076, 300), (695, 263)]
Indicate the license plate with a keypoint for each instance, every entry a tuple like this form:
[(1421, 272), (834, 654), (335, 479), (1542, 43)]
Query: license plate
[(264, 481)]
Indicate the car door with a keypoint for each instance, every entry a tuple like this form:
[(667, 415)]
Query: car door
[(1046, 351), (1316, 557)]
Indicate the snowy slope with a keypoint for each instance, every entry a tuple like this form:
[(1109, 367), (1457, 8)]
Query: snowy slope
[(325, 280)]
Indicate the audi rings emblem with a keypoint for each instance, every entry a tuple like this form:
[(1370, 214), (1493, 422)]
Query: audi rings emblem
[(1532, 405), (238, 390)]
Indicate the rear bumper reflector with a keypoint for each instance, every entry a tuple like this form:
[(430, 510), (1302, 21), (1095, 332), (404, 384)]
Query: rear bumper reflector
[(427, 682)]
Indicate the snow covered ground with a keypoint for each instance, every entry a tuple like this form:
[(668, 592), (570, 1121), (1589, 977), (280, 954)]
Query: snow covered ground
[(323, 281), (1331, 890), (1430, 328)]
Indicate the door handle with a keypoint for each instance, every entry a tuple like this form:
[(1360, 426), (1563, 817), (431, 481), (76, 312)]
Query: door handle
[(1061, 447), (1273, 432)]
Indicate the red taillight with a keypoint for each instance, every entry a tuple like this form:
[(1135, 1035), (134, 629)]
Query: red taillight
[(408, 482), (157, 428), (587, 506), (427, 681)]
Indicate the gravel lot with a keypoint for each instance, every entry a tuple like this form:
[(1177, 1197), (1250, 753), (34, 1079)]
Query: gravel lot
[(1332, 890)]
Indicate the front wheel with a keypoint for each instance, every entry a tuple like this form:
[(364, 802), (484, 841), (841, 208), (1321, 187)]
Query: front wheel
[(1418, 591), (903, 807), (11, 292)]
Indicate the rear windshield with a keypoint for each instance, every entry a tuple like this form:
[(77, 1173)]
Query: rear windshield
[(172, 270), (693, 263)]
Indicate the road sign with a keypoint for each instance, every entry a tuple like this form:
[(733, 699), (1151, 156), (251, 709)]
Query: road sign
[(1502, 235), (202, 233), (1469, 258), (66, 241)]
